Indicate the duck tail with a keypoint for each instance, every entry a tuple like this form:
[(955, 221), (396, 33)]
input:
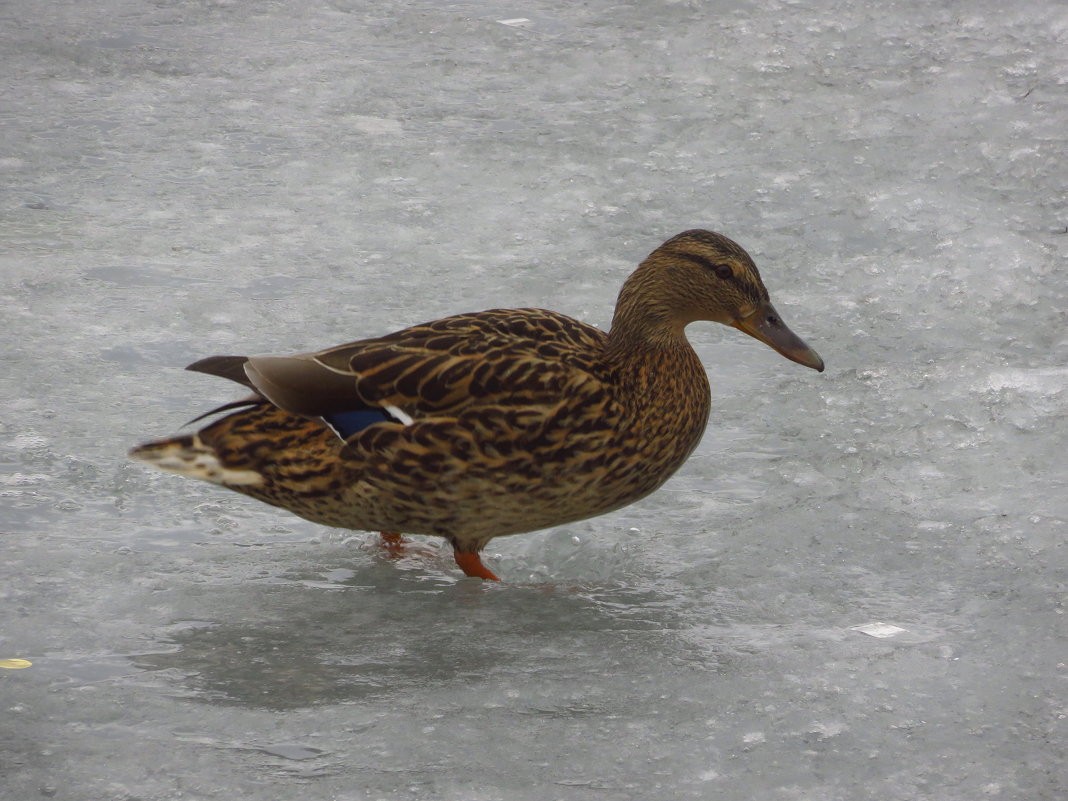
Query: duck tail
[(191, 456)]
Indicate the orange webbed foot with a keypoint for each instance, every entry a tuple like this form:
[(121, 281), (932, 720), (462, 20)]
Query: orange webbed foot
[(397, 546), (471, 563), (394, 543)]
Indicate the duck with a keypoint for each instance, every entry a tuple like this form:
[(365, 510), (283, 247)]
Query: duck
[(486, 424)]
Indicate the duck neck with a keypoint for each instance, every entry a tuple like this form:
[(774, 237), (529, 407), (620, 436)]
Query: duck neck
[(661, 378), (645, 319)]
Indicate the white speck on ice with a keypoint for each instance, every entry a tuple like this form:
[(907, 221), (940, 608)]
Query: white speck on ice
[(880, 630)]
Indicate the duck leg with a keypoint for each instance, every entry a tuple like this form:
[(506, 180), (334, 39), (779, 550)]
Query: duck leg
[(394, 542), (471, 563)]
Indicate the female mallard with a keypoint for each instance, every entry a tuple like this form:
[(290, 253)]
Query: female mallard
[(490, 423)]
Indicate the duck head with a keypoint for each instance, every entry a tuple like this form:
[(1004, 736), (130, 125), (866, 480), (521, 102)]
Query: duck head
[(702, 275)]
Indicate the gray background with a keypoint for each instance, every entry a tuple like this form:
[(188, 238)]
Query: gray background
[(179, 179)]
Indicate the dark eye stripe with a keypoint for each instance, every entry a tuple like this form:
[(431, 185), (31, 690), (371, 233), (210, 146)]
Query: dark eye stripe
[(721, 270)]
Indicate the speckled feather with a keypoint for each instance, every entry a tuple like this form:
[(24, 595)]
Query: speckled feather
[(500, 422)]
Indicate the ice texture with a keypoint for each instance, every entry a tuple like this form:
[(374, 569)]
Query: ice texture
[(181, 179)]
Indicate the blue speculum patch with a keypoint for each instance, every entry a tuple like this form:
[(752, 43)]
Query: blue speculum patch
[(348, 423)]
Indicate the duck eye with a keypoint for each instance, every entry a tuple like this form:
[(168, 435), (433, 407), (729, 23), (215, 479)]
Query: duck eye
[(723, 271)]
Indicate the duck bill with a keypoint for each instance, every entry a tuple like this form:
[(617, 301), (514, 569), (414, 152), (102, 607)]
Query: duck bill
[(764, 324)]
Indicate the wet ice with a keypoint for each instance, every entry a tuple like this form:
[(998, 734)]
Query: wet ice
[(187, 179)]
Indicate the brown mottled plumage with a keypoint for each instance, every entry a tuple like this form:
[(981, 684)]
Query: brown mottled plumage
[(489, 423)]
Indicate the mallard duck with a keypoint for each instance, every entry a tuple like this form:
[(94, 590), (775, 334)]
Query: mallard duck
[(491, 423)]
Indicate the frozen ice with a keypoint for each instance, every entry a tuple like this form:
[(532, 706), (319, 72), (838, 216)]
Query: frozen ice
[(189, 178)]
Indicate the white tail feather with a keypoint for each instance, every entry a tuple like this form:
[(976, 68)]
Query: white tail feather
[(192, 458)]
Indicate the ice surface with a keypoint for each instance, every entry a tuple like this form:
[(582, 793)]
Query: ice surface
[(190, 178)]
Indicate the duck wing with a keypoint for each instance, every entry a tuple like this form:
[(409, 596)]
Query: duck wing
[(500, 357)]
